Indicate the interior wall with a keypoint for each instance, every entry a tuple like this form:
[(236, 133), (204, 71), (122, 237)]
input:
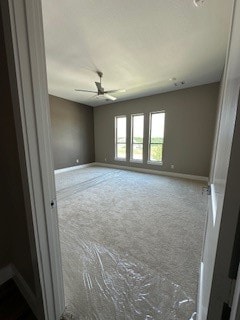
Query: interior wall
[(189, 129), (72, 133), (14, 238)]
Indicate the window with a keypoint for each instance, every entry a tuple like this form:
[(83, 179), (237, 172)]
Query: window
[(120, 137), (137, 137), (156, 137)]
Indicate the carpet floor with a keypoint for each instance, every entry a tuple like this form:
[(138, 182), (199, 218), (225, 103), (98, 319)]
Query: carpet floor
[(131, 244)]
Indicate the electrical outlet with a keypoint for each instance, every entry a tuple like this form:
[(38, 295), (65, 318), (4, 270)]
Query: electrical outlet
[(77, 161), (172, 166)]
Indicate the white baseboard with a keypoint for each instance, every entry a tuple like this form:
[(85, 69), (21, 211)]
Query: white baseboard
[(137, 169), (74, 167), (158, 172), (6, 273), (10, 272)]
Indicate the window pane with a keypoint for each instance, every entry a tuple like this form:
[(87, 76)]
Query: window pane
[(137, 128), (121, 129), (121, 150), (137, 151), (156, 152), (157, 127)]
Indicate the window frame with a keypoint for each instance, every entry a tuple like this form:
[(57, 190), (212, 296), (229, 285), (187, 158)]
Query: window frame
[(149, 161), (131, 141), (115, 140)]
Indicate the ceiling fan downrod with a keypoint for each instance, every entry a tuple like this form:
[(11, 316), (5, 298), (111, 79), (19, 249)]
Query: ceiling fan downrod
[(100, 74)]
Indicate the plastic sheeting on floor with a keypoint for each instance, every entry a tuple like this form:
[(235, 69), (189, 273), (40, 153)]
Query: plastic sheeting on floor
[(112, 287)]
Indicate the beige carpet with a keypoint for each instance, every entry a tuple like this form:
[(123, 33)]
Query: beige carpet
[(131, 244)]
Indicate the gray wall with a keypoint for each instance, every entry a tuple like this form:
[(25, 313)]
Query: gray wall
[(189, 128), (14, 237), (72, 132)]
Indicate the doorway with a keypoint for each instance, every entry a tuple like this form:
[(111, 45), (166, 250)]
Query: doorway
[(48, 197)]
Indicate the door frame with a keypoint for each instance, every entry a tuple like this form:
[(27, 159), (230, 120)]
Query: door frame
[(216, 298), (23, 31)]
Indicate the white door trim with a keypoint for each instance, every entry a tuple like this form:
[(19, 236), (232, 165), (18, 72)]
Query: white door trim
[(31, 112)]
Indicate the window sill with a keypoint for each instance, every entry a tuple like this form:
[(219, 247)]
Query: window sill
[(136, 161), (156, 163), (120, 159)]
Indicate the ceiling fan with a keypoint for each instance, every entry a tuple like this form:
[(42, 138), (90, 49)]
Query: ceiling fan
[(101, 93)]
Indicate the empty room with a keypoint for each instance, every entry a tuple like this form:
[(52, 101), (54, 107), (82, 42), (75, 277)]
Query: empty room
[(120, 160), (134, 98)]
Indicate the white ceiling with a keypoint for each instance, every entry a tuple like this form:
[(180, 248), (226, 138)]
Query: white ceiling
[(137, 44)]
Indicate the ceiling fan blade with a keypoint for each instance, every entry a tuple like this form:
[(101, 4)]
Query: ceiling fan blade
[(108, 96), (85, 90), (118, 90)]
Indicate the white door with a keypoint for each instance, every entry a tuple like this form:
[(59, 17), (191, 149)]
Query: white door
[(223, 204)]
